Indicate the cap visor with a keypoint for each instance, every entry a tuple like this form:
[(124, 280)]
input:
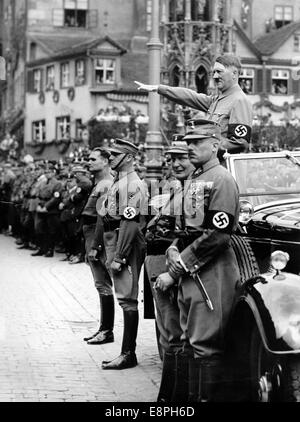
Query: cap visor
[(115, 150), (198, 137), (176, 151)]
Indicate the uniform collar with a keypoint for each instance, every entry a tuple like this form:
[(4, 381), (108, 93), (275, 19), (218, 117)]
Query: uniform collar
[(230, 91), (207, 166), (120, 176)]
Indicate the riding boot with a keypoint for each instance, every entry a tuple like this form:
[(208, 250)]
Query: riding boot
[(127, 358), (167, 378), (181, 384), (50, 243), (194, 374), (210, 385), (41, 246), (107, 316)]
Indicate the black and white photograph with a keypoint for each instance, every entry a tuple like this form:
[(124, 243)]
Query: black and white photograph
[(150, 204)]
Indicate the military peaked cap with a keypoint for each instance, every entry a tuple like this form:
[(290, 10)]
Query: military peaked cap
[(202, 128), (121, 146)]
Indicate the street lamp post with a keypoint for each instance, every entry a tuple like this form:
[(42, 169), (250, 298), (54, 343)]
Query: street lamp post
[(154, 146)]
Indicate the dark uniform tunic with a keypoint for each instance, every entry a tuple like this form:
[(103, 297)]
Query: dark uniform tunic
[(166, 307), (48, 223), (231, 110), (101, 275), (211, 209), (122, 214), (74, 201)]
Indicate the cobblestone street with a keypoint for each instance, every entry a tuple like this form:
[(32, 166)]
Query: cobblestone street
[(46, 308)]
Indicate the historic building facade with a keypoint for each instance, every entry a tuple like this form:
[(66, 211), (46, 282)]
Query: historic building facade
[(70, 60), (79, 59), (13, 50)]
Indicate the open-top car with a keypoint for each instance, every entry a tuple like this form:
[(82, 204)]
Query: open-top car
[(269, 185), (263, 342)]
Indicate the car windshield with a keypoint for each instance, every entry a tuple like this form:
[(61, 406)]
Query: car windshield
[(263, 179)]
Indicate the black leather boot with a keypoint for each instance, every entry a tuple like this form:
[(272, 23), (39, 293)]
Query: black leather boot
[(127, 358), (181, 385), (41, 246), (107, 316), (25, 245), (194, 379), (49, 253), (39, 252), (210, 387), (167, 378)]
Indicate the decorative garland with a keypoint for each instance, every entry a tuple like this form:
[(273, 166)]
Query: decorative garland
[(61, 144), (55, 96), (278, 109), (42, 97), (270, 134), (38, 147), (71, 93)]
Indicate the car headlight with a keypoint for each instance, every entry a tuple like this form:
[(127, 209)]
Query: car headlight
[(279, 260), (246, 212)]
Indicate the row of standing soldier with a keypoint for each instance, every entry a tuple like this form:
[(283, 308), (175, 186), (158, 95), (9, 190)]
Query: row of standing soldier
[(200, 260)]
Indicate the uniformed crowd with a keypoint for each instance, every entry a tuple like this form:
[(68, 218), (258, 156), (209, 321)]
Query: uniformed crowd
[(40, 204), (182, 235)]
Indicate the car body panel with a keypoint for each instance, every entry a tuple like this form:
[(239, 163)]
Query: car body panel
[(275, 224), (275, 306)]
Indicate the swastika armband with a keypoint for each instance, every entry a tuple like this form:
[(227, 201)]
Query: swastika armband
[(239, 130), (129, 213), (219, 220)]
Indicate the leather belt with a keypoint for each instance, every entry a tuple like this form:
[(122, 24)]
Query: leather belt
[(88, 220), (111, 225)]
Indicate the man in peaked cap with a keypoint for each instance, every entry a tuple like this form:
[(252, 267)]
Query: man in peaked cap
[(122, 146), (202, 128), (160, 234), (78, 200), (210, 216), (95, 252), (123, 219), (47, 223)]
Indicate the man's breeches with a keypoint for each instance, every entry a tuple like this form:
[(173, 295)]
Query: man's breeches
[(202, 328), (167, 311), (101, 276), (126, 281)]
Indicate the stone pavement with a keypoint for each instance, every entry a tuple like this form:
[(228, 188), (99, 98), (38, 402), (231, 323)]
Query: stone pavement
[(46, 308)]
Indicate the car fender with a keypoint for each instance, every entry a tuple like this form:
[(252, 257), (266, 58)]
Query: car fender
[(275, 306)]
